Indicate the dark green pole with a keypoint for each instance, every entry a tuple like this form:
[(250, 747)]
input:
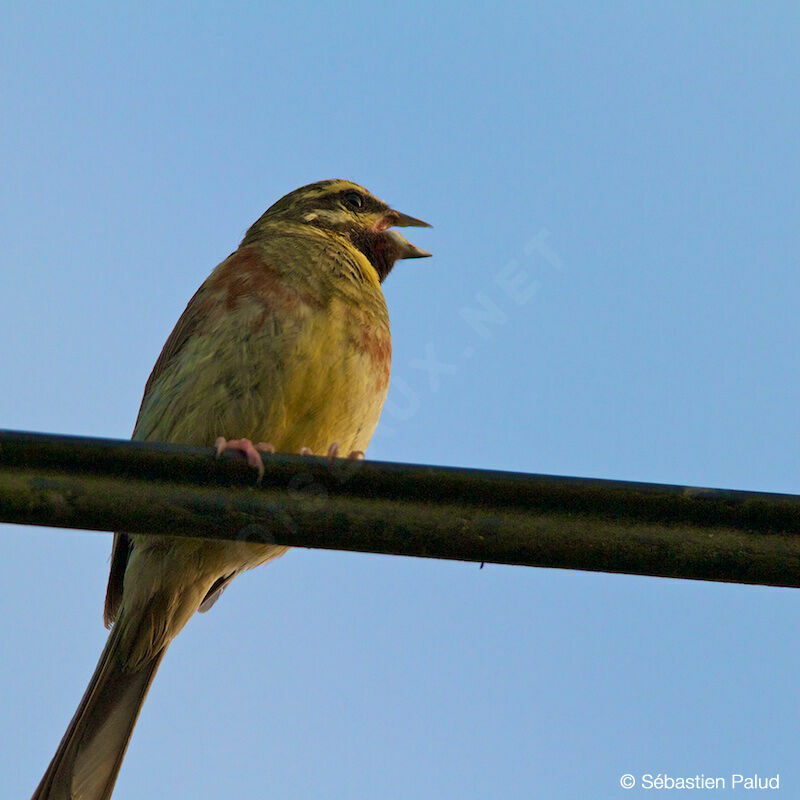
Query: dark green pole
[(402, 509)]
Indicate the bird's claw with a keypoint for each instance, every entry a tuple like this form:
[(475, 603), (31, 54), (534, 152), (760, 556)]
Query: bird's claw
[(333, 452), (252, 452)]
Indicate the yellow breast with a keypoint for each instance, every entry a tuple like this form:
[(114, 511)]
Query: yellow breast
[(284, 351)]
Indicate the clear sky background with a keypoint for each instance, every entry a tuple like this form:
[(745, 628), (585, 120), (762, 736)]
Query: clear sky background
[(639, 162)]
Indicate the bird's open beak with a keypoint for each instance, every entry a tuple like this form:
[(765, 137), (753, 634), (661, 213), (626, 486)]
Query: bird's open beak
[(404, 248)]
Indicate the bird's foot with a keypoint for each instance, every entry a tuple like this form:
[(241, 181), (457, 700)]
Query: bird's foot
[(354, 455), (251, 451), (333, 452)]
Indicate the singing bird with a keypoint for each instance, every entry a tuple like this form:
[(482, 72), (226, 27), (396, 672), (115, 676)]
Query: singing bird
[(286, 344)]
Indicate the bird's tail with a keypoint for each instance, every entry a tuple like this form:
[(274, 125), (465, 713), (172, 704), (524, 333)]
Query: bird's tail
[(88, 759)]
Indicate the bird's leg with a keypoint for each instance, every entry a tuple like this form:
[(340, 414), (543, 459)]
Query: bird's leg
[(251, 451)]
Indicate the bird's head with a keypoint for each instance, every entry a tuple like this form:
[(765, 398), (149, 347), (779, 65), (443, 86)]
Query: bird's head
[(351, 211)]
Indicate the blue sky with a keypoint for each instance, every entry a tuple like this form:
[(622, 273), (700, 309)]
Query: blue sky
[(634, 166)]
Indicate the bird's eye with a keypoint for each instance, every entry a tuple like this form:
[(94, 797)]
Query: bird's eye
[(353, 199)]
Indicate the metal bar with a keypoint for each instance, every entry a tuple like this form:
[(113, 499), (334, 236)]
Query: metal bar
[(402, 509)]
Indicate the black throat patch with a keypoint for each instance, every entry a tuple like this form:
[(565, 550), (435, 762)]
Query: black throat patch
[(379, 248)]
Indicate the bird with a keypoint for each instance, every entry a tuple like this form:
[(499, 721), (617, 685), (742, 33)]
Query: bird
[(285, 347)]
